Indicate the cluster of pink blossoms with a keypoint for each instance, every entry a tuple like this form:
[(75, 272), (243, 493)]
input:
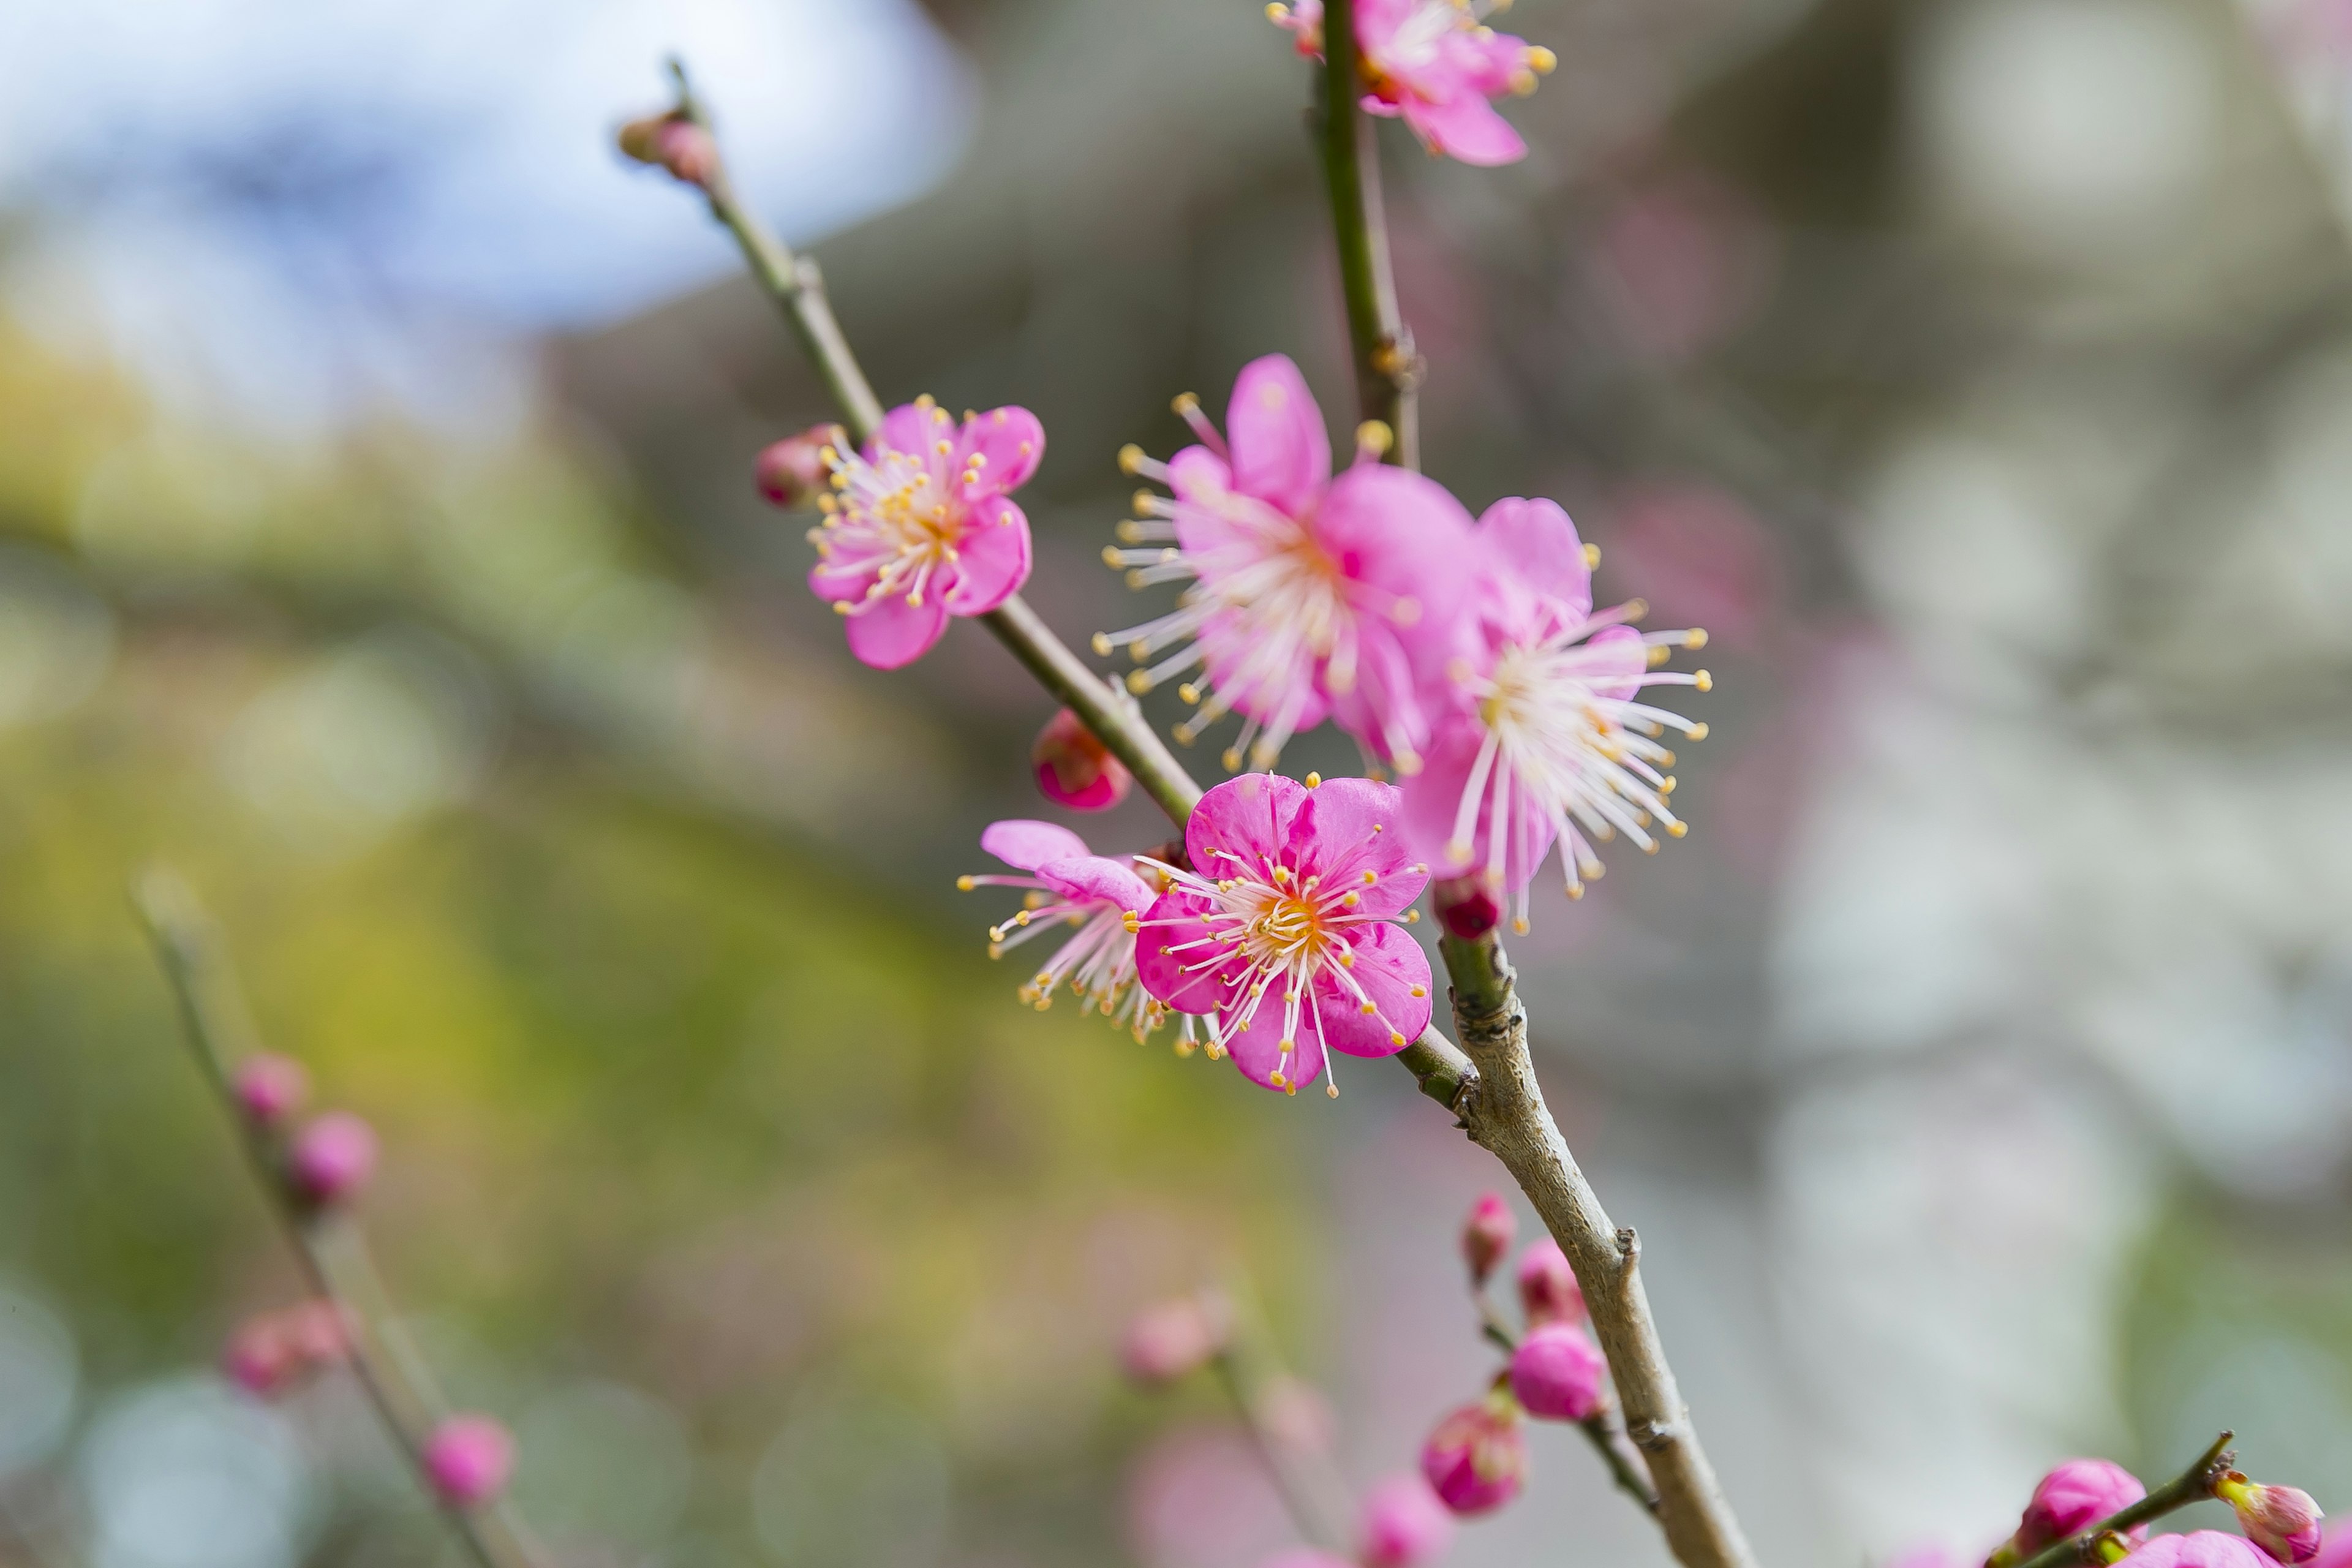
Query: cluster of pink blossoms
[(1436, 65)]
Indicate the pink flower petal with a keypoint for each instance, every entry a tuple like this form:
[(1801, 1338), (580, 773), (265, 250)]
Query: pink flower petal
[(1282, 454), (1027, 843), (1346, 828), (1096, 877), (910, 428), (1257, 1050), (992, 559), (1627, 655), (1433, 797), (1533, 544), (893, 633), (836, 586), (1467, 129), (1013, 441), (1247, 817), (1390, 965), (1166, 971)]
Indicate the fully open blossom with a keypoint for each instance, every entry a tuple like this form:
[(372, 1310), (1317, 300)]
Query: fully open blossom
[(2282, 1520), (1436, 65), (1402, 1524), (2197, 1549), (1476, 1459), (920, 526), (1546, 738), (1289, 927), (1095, 900), (1303, 586), (1558, 1373), (2071, 1498)]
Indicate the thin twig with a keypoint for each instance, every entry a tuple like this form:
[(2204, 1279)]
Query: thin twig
[(1607, 1439), (1387, 370), (1306, 1475), (330, 1249), (2194, 1484)]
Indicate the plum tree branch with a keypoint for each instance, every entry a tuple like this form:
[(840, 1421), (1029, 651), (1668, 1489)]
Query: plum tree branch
[(1388, 372), (2194, 1484)]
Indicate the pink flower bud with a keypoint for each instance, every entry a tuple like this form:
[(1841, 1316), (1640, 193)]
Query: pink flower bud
[(1557, 1373), (2069, 1499), (791, 471), (257, 1358), (1467, 908), (1477, 1458), (270, 1088), (2199, 1548), (674, 142), (1175, 1337), (468, 1459), (1548, 1287), (333, 1157), (317, 1332), (1403, 1525), (1075, 768), (1487, 1235), (2282, 1520)]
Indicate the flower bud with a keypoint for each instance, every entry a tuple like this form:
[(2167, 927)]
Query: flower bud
[(257, 1358), (1403, 1524), (1294, 1414), (468, 1459), (2282, 1520), (1477, 1458), (2198, 1549), (1467, 908), (333, 1157), (1557, 1373), (2071, 1498), (1174, 1338), (317, 1332), (269, 1088), (1075, 768), (1487, 1235), (1547, 1288), (791, 472), (674, 142)]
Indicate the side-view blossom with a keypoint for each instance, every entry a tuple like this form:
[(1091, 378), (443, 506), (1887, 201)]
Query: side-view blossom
[(2198, 1549), (920, 526), (1403, 1524), (1546, 738), (1096, 899), (1288, 926), (1303, 585), (1074, 769), (1436, 65), (2282, 1521), (1558, 1373), (1476, 1459)]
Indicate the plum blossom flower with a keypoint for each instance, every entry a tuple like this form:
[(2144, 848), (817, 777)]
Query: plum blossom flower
[(1436, 65), (1302, 585), (1289, 927), (1402, 1525), (1070, 886), (1546, 738), (920, 526), (1476, 1459), (2282, 1521), (2197, 1549), (2071, 1498)]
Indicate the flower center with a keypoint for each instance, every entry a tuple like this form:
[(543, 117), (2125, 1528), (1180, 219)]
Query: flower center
[(894, 520)]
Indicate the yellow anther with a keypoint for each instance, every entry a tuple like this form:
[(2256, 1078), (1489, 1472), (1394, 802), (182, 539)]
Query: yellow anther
[(927, 403), (965, 884), (1694, 638), (944, 447), (1275, 1078), (1698, 732), (1101, 645), (1277, 12), (841, 606), (1021, 918), (1130, 458), (1636, 608), (1395, 1039), (1232, 759), (1135, 579), (1314, 779), (1703, 681), (1666, 785), (1413, 916), (1290, 1088), (1523, 82), (1421, 991), (1374, 436), (1112, 559), (1349, 900), (1189, 692), (1518, 925), (1138, 681), (1659, 655), (1651, 848), (1141, 500), (1370, 877), (1576, 891), (1542, 61), (1370, 1008), (1185, 403), (1331, 1088), (1677, 828), (1138, 650)]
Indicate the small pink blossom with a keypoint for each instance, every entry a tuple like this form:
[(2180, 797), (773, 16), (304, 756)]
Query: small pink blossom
[(1403, 1524), (1074, 769), (333, 1157), (1436, 65), (1548, 1292), (270, 1088), (1556, 1373), (2071, 1498), (1175, 1337), (1487, 1236), (920, 526), (1476, 1459), (1289, 927), (1095, 899), (791, 471), (469, 1459), (2198, 1549), (1304, 586), (1545, 738), (2282, 1520)]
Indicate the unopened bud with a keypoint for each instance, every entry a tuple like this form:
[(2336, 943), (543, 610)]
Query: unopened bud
[(272, 1352), (2197, 1549), (256, 1357), (1075, 768), (674, 142), (469, 1459), (1476, 1459), (333, 1157), (270, 1088), (2282, 1520), (1175, 1337), (1487, 1235), (1556, 1373), (1467, 908), (791, 471), (1547, 1289), (2071, 1498), (1403, 1524)]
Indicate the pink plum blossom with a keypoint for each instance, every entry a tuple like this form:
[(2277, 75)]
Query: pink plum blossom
[(2282, 1520), (1545, 737), (1288, 928), (270, 1088), (1074, 769), (1556, 1373), (2198, 1549), (2335, 1549), (1304, 585), (2071, 1498), (333, 1157), (1486, 1235), (1095, 899), (1548, 1292), (469, 1459), (1403, 1524), (1476, 1459), (1436, 65), (920, 526)]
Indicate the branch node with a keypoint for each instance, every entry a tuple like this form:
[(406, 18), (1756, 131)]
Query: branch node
[(1651, 1437)]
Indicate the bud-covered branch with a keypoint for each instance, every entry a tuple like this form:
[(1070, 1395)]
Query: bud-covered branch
[(2194, 1484)]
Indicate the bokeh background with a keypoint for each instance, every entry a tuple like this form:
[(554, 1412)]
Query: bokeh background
[(379, 550)]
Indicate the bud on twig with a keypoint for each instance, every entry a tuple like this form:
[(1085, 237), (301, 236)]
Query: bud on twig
[(1556, 1373), (1476, 1459), (1487, 1235), (1404, 1525), (672, 141), (469, 1459), (270, 1088), (791, 472), (2282, 1520), (333, 1157), (1547, 1288), (2072, 1498), (1074, 767)]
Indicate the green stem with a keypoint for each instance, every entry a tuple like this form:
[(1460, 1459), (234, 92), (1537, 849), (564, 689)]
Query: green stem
[(1386, 367), (1608, 1440), (330, 1249), (2194, 1484)]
